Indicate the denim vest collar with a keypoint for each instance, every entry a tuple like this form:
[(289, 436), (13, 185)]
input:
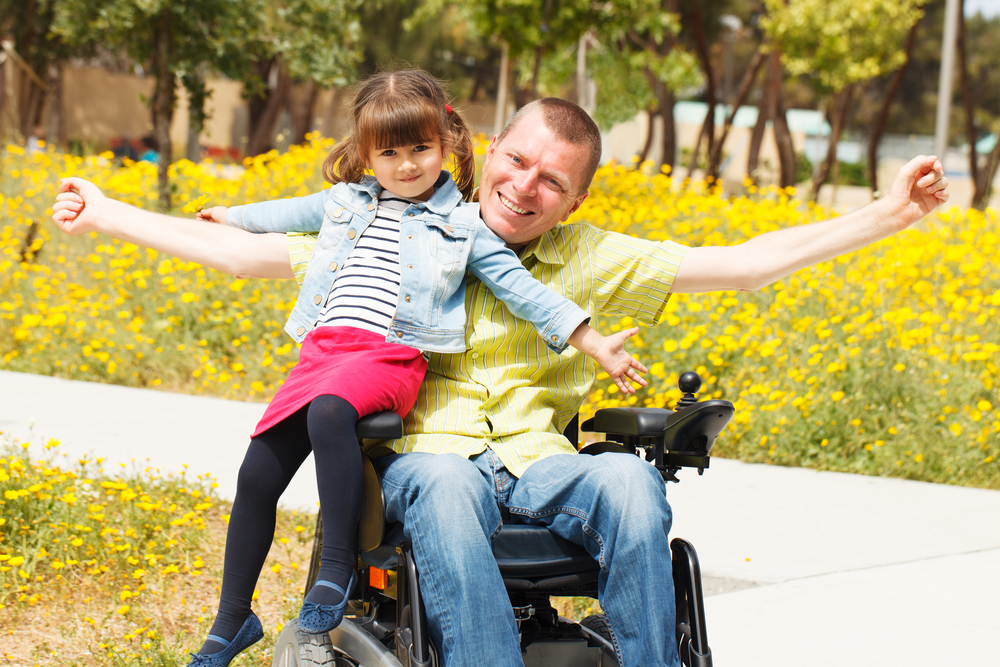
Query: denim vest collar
[(444, 200)]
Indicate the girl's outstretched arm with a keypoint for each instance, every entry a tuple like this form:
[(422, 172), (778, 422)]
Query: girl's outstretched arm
[(81, 207), (609, 352)]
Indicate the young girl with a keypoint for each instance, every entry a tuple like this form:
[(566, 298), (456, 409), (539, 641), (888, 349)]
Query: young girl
[(385, 285)]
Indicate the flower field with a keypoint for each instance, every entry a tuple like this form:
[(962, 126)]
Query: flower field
[(882, 362)]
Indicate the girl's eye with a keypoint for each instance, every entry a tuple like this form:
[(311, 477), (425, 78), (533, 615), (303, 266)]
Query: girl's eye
[(420, 149)]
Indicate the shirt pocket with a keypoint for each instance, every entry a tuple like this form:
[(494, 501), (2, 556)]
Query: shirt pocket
[(335, 220), (447, 241)]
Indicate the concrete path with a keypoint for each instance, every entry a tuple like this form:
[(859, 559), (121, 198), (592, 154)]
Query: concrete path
[(803, 568)]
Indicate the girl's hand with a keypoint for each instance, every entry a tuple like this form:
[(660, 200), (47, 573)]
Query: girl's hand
[(620, 365), (215, 214), (79, 206)]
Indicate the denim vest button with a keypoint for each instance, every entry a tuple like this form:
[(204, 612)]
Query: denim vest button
[(409, 266), (351, 234), (409, 237), (317, 299), (407, 298), (333, 266), (399, 334), (555, 338), (371, 207), (300, 331), (339, 212)]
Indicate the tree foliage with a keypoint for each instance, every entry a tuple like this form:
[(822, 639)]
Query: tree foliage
[(840, 42)]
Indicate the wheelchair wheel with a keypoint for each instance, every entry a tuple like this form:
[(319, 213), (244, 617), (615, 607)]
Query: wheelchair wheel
[(599, 624), (301, 649)]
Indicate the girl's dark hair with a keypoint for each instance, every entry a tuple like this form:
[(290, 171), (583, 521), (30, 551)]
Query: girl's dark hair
[(400, 109)]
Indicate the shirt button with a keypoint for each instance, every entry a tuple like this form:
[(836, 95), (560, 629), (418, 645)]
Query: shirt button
[(300, 331), (407, 298), (333, 266), (371, 207), (475, 355), (317, 299), (351, 233)]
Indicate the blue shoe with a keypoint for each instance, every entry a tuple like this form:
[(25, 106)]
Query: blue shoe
[(317, 619), (249, 634)]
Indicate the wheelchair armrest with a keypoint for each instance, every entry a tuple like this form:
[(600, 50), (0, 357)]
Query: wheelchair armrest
[(380, 426), (693, 430), (638, 422)]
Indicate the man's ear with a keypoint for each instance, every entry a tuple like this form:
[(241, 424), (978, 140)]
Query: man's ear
[(492, 147), (576, 205)]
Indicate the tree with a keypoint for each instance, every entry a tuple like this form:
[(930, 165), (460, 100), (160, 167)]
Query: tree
[(41, 51), (838, 44), (302, 45), (176, 38), (977, 72)]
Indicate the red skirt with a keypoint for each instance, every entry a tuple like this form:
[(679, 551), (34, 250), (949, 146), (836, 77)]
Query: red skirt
[(356, 365)]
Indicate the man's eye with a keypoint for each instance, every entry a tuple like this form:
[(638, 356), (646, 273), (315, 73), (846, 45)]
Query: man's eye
[(515, 159)]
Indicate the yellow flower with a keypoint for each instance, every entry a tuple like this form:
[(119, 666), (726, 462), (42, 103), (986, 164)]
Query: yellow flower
[(837, 396)]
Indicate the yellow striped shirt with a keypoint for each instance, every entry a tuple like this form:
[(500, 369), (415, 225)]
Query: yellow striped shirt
[(508, 391)]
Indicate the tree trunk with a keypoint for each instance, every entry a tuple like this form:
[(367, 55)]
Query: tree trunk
[(883, 114), (779, 123), (644, 153), (261, 133), (540, 50), (163, 103), (708, 129), (301, 103), (3, 99), (666, 102), (329, 114), (715, 159), (696, 150), (56, 132), (503, 87), (980, 182), (838, 114), (757, 136), (979, 202)]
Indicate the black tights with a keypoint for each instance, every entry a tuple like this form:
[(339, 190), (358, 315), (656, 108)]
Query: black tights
[(325, 427)]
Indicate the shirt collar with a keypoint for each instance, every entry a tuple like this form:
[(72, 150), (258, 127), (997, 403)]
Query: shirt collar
[(544, 248)]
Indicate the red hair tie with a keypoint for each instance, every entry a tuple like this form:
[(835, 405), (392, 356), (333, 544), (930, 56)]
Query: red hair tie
[(447, 109)]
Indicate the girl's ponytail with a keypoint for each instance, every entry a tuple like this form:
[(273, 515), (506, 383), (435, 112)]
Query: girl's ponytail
[(344, 164), (465, 158)]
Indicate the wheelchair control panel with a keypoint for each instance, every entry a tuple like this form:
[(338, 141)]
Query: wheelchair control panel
[(672, 439)]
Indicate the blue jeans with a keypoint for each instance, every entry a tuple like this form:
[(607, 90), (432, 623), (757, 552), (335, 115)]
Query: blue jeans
[(613, 504)]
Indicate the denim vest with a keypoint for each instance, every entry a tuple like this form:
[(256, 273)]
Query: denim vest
[(439, 240)]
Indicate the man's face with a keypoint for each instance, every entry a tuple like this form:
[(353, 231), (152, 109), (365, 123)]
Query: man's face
[(531, 182)]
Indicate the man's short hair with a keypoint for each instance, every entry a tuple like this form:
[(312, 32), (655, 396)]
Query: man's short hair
[(570, 123)]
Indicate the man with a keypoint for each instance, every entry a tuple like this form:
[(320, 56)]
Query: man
[(483, 444)]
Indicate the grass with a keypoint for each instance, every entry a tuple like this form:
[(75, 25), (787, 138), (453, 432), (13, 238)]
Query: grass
[(123, 568)]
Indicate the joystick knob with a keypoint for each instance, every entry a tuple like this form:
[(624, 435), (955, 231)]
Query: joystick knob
[(689, 383)]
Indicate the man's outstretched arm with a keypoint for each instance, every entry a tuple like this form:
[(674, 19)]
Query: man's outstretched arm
[(81, 207), (919, 188)]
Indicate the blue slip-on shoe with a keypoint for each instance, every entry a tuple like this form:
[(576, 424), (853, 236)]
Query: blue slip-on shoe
[(249, 634), (317, 619)]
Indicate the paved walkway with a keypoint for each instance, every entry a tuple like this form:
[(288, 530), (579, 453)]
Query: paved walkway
[(804, 568)]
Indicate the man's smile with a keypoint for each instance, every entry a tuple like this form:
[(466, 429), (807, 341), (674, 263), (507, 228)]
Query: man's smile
[(512, 206)]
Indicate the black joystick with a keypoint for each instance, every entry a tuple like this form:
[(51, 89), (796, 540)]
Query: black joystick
[(689, 383)]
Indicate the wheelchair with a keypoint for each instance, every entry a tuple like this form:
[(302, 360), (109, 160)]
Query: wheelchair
[(386, 625)]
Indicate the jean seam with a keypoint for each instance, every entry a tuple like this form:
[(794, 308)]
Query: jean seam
[(580, 514)]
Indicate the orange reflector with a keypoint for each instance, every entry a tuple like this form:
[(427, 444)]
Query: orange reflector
[(378, 578)]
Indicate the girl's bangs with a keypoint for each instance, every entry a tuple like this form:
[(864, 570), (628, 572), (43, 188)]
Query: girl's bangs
[(397, 123)]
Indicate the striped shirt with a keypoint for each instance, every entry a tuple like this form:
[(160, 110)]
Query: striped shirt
[(508, 391), (366, 292)]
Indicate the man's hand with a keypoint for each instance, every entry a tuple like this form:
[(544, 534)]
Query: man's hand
[(215, 214), (919, 188), (79, 206), (609, 352)]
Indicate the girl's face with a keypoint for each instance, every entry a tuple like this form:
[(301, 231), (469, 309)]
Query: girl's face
[(408, 171)]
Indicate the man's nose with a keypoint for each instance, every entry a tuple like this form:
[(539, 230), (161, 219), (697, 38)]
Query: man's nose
[(526, 182)]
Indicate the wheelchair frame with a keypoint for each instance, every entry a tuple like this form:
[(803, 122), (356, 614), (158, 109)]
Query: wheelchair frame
[(386, 624)]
